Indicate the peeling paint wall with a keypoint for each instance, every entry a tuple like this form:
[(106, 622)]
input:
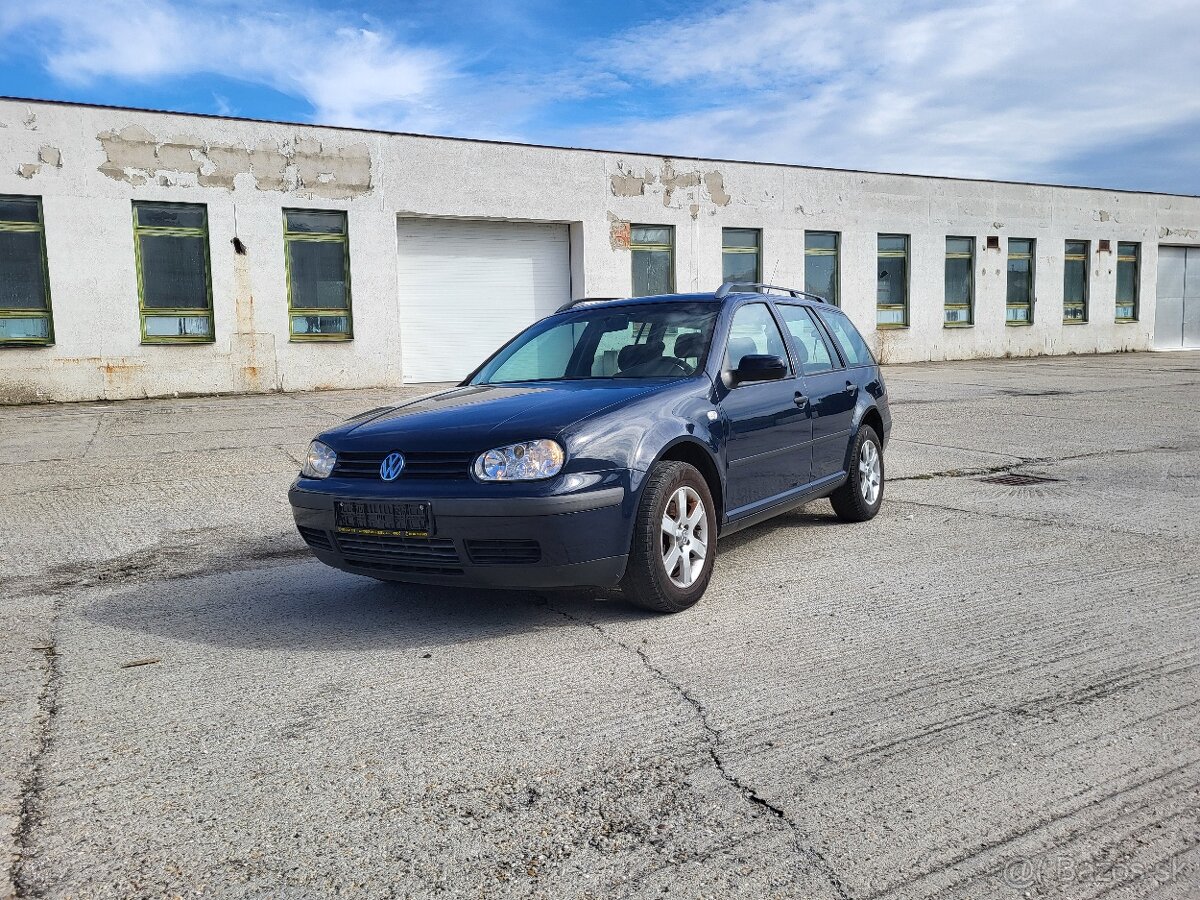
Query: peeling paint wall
[(303, 166), (89, 164), (46, 156), (692, 190)]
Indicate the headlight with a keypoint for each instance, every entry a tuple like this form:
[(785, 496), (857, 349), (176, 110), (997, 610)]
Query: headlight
[(526, 461), (319, 462)]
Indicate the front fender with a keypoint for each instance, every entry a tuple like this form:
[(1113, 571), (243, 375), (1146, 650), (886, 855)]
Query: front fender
[(633, 435)]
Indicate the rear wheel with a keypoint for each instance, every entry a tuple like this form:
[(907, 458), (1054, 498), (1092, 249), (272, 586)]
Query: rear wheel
[(860, 497), (674, 540)]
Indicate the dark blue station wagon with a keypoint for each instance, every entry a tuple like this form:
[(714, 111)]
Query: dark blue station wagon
[(607, 445)]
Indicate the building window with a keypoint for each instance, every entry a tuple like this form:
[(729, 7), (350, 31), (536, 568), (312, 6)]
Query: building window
[(741, 255), (174, 287), (318, 274), (24, 280), (1075, 282), (960, 280), (1020, 282), (891, 292), (653, 252), (1127, 282), (821, 264)]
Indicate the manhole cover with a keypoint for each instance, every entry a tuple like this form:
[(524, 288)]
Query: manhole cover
[(1011, 479)]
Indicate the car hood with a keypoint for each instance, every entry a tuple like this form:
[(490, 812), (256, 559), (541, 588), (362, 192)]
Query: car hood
[(478, 417)]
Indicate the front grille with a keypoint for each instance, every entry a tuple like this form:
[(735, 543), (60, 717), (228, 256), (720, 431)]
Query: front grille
[(315, 538), (448, 464), (503, 553), (429, 556)]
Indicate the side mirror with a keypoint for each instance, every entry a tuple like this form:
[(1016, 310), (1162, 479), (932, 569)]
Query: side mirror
[(759, 367)]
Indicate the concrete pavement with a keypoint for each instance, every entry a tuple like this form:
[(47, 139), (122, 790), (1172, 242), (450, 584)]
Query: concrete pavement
[(990, 690)]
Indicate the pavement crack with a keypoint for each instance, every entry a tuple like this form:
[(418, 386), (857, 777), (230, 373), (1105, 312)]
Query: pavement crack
[(88, 447), (714, 738), (1034, 520), (29, 809), (965, 473), (1026, 461), (163, 562)]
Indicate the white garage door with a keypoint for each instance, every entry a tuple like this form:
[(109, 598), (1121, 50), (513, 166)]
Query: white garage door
[(1177, 306), (466, 287)]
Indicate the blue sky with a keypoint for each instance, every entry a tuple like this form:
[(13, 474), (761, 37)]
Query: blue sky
[(1089, 92)]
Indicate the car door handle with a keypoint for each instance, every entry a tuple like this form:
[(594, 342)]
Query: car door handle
[(800, 400), (851, 387)]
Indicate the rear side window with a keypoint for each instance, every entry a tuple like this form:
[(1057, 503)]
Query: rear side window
[(849, 341), (807, 339)]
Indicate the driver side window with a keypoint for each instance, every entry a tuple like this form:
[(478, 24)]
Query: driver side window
[(754, 331)]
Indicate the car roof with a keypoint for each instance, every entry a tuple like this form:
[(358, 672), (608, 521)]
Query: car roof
[(790, 295)]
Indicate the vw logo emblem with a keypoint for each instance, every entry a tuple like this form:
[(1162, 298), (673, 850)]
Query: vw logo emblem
[(391, 467)]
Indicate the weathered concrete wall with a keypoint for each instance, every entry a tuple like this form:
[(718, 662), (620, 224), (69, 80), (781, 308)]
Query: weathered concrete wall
[(88, 164)]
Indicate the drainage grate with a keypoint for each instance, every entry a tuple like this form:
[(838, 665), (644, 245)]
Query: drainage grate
[(1011, 479)]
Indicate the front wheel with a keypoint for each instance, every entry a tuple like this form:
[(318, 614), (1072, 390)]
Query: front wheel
[(674, 540), (861, 496)]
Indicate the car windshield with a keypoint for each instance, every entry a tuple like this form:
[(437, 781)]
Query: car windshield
[(651, 340)]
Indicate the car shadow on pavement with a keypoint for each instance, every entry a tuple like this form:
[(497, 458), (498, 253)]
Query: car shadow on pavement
[(308, 606), (801, 521)]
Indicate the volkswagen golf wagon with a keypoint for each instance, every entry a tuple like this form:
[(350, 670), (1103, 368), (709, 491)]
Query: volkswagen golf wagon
[(608, 445)]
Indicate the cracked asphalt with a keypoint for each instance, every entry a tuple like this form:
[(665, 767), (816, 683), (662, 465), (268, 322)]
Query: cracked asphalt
[(991, 690)]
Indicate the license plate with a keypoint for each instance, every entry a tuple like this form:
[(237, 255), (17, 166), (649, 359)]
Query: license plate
[(409, 519)]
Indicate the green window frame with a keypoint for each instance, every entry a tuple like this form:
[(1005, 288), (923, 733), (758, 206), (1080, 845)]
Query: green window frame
[(25, 315), (741, 255), (891, 292), (960, 282), (1128, 275), (1020, 286), (1076, 261), (174, 272), (822, 265), (317, 253), (652, 253)]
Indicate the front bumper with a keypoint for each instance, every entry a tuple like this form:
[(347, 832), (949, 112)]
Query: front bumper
[(566, 540)]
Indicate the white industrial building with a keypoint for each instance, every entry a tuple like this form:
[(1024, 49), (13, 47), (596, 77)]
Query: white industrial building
[(149, 254)]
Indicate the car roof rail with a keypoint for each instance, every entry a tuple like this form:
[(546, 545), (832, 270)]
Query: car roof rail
[(571, 304), (758, 288)]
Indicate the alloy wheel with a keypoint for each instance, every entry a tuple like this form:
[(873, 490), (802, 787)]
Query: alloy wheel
[(684, 537), (869, 476)]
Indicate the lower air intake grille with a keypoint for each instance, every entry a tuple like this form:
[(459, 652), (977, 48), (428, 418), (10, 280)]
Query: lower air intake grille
[(315, 538), (427, 556), (503, 553)]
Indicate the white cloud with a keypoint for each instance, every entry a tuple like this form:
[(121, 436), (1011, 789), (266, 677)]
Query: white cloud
[(351, 75), (1020, 89), (998, 88)]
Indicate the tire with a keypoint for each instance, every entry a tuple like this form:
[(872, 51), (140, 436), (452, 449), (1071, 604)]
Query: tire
[(647, 582), (852, 502)]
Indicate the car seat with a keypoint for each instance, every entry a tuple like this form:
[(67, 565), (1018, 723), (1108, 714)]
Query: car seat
[(738, 347), (636, 356), (688, 346)]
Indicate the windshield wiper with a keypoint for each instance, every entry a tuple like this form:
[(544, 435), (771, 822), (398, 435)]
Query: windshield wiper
[(541, 380)]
